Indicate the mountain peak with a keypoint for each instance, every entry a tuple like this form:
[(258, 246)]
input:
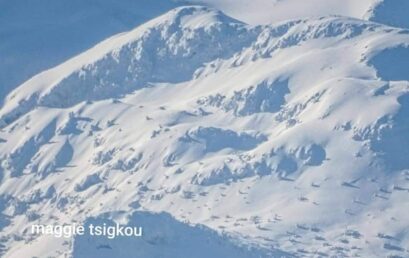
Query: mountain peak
[(154, 52), (194, 17)]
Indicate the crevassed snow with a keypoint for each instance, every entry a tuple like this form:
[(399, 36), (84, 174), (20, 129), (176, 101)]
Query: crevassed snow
[(287, 137)]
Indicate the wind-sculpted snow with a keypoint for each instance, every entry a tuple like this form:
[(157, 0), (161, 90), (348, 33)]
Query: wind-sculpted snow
[(280, 163), (21, 156), (295, 32), (50, 32), (200, 142), (264, 97), (388, 136), (87, 182), (169, 49), (79, 24), (215, 139), (286, 137), (160, 53), (61, 160)]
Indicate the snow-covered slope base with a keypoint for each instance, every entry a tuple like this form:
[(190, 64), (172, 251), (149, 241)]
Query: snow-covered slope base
[(165, 237), (290, 138)]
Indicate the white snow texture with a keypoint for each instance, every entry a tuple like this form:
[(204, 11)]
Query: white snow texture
[(265, 128)]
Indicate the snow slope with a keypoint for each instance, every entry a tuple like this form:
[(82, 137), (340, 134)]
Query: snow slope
[(37, 35), (270, 11), (177, 240), (288, 138), (42, 34)]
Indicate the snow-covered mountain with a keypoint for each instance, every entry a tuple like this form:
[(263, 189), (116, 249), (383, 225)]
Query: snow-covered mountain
[(41, 34), (37, 35), (222, 138)]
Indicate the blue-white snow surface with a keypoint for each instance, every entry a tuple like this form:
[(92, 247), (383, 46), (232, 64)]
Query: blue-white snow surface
[(238, 135)]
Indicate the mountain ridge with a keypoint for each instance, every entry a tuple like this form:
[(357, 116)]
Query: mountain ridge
[(287, 140)]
